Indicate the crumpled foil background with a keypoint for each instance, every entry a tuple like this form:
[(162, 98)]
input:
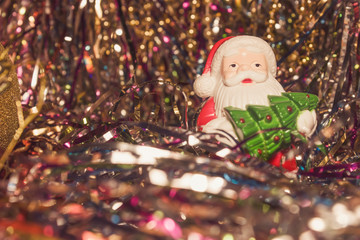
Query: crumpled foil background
[(109, 148)]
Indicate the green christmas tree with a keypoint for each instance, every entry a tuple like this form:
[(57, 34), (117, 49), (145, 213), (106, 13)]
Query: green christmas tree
[(268, 129)]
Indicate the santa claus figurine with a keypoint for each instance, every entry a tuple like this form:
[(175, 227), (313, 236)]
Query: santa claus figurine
[(240, 71)]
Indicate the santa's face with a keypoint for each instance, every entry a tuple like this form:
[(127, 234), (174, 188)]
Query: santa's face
[(244, 80), (244, 67)]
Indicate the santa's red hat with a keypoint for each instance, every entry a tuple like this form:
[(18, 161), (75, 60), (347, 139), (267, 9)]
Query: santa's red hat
[(205, 84)]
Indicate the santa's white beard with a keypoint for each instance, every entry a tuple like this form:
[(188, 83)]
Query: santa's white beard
[(241, 95)]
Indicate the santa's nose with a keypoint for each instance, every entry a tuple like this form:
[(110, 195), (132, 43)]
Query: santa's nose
[(243, 67)]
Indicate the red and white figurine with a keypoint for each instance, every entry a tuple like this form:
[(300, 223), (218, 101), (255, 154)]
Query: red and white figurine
[(240, 71)]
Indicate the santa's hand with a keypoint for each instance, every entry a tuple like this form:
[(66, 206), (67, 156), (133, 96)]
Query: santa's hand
[(306, 122), (223, 128)]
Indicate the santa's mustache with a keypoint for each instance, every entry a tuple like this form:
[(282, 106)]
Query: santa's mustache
[(257, 77)]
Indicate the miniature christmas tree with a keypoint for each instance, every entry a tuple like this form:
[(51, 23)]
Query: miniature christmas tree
[(268, 129)]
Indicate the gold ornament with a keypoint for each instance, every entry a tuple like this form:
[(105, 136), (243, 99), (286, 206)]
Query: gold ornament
[(9, 94)]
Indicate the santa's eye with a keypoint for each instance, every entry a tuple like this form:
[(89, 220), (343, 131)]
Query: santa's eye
[(258, 66), (233, 65)]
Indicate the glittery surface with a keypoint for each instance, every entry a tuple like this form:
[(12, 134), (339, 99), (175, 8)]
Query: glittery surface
[(113, 152), (9, 93)]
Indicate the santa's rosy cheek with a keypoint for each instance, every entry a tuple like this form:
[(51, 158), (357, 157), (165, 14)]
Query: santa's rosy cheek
[(228, 74)]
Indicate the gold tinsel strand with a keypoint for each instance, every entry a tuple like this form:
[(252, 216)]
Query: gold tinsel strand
[(9, 94)]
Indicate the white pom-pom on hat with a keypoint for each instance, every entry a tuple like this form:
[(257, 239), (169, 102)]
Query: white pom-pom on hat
[(205, 84)]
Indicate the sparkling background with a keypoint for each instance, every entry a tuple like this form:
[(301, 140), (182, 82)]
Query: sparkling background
[(109, 148)]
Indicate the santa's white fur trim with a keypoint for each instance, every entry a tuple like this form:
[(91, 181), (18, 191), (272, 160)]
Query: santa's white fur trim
[(204, 85)]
